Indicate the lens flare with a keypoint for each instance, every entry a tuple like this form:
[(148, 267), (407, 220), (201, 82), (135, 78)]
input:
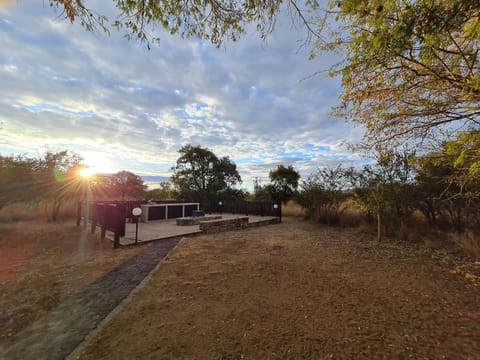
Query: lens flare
[(85, 173)]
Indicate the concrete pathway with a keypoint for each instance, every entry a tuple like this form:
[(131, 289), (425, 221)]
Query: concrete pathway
[(57, 334), (164, 229)]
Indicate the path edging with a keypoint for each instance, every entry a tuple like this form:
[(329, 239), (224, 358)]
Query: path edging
[(77, 352)]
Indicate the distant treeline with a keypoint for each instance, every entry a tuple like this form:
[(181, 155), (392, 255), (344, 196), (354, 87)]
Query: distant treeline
[(55, 179)]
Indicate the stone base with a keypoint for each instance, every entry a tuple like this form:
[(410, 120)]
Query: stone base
[(190, 220), (216, 226)]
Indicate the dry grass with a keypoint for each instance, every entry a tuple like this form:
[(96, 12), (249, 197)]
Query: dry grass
[(292, 209), (35, 210), (415, 230), (469, 241), (298, 291), (43, 264)]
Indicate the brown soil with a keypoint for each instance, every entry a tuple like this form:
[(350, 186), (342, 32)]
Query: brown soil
[(299, 291), (43, 264)]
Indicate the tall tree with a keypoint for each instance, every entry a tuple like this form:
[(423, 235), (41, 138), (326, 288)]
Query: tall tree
[(386, 188), (285, 182), (126, 185), (200, 174), (412, 67)]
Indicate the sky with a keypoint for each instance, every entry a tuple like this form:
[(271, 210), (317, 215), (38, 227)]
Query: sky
[(124, 107)]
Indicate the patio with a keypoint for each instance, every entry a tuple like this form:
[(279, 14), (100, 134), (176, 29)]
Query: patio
[(165, 229)]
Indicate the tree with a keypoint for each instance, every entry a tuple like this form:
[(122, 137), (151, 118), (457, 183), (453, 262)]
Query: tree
[(58, 180), (199, 174), (411, 67), (386, 189), (17, 179), (212, 20), (285, 182), (324, 191), (51, 179), (264, 193), (127, 185), (164, 192), (449, 183)]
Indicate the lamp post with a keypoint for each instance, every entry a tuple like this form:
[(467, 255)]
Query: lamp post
[(86, 173), (275, 206), (136, 212)]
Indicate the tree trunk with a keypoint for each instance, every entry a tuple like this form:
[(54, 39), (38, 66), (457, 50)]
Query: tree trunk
[(379, 226)]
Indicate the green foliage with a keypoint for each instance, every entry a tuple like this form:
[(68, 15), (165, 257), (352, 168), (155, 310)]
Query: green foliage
[(51, 179), (449, 182), (265, 193), (323, 193), (18, 179), (285, 183), (164, 192), (210, 20), (199, 174), (411, 66), (126, 185), (386, 189)]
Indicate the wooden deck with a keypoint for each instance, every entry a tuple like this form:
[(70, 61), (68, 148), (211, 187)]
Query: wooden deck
[(166, 229)]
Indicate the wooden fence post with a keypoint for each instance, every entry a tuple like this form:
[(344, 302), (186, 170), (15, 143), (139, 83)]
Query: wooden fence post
[(79, 213), (116, 240)]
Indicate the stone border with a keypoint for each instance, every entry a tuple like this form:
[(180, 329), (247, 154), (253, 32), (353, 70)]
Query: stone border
[(191, 220), (216, 226)]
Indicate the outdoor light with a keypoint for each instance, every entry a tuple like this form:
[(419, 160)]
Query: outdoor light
[(278, 210), (220, 203), (136, 212)]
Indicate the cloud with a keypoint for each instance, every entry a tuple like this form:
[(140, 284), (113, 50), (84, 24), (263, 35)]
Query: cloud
[(251, 100)]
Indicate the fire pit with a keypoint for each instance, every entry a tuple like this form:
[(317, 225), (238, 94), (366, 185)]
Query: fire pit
[(198, 213)]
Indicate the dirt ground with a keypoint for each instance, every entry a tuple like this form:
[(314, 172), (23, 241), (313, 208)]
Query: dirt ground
[(42, 264), (299, 291)]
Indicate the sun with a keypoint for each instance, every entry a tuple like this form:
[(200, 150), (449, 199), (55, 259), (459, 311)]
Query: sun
[(85, 172)]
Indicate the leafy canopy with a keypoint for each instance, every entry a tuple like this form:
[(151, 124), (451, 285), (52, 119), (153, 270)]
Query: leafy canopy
[(411, 67), (285, 182), (212, 20), (126, 185), (199, 174)]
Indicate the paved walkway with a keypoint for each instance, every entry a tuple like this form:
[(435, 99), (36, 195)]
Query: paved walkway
[(164, 229), (57, 334)]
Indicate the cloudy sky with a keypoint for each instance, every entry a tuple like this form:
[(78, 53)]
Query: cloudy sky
[(123, 107)]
